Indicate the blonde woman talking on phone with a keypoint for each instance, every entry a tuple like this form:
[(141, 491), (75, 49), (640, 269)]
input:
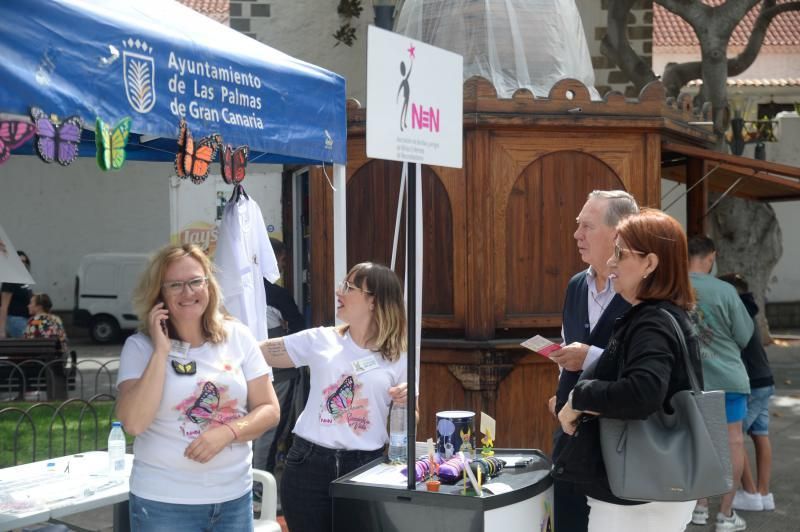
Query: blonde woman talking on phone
[(195, 390)]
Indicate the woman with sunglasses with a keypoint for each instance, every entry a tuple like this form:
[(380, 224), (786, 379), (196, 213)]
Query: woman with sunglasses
[(194, 389), (357, 371), (638, 373)]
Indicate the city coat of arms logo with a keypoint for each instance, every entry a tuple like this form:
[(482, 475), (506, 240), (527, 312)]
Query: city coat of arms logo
[(138, 69)]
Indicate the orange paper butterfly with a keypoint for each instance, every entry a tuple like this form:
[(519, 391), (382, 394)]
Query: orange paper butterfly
[(193, 161), (234, 163)]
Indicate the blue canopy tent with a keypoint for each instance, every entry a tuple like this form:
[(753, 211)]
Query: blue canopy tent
[(156, 61)]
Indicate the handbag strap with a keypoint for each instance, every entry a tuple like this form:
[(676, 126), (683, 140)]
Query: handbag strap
[(682, 341)]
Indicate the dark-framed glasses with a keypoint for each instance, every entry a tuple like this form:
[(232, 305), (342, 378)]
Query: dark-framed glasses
[(619, 253), (176, 287), (345, 286)]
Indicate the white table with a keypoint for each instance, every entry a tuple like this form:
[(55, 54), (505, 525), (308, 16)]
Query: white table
[(33, 493)]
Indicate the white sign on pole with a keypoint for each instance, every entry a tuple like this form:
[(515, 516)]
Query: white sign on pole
[(414, 101)]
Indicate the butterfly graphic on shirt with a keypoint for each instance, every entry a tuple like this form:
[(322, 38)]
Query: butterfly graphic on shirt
[(13, 134), (194, 159), (340, 401), (233, 163), (190, 368), (111, 143), (57, 140), (204, 407)]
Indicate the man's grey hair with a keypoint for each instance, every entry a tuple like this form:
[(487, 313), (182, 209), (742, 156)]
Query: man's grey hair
[(620, 205)]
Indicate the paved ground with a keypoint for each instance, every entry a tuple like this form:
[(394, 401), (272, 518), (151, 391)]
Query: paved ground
[(784, 429)]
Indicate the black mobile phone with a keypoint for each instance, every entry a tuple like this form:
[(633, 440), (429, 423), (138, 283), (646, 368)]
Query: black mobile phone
[(164, 325)]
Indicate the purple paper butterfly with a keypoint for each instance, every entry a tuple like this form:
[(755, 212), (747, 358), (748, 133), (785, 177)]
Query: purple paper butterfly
[(57, 141)]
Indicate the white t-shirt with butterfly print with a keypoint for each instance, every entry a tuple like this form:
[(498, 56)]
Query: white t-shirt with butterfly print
[(348, 403), (191, 403)]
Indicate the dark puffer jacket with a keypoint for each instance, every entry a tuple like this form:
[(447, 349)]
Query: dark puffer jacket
[(637, 374)]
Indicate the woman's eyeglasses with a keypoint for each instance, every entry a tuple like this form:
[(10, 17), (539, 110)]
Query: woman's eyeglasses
[(345, 286), (619, 253), (176, 287)]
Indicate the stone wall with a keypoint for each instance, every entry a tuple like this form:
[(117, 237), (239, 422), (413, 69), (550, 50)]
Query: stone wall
[(594, 14)]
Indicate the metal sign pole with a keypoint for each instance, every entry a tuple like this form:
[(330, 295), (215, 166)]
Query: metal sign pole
[(411, 352)]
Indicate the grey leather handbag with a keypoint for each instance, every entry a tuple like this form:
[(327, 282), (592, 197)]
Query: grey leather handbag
[(671, 457)]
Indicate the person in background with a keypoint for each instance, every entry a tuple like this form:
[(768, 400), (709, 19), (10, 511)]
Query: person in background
[(724, 328), (194, 389), (755, 496), (590, 307), (14, 299), (283, 317), (43, 324), (638, 373), (357, 371)]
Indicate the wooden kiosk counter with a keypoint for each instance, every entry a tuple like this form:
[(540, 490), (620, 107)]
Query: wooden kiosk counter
[(498, 245)]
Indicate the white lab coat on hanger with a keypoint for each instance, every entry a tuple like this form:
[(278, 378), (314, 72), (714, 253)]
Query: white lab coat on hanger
[(244, 257)]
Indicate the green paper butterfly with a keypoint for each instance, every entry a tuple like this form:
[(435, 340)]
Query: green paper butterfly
[(111, 143)]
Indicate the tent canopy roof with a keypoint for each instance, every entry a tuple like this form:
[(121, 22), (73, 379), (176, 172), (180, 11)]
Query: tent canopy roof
[(157, 60)]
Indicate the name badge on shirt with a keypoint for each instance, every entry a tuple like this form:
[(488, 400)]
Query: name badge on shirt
[(179, 349), (365, 364)]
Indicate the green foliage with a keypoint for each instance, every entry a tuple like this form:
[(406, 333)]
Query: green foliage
[(76, 423), (346, 35), (348, 10)]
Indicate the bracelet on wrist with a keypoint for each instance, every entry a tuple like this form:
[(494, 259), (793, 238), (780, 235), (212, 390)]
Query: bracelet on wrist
[(235, 435)]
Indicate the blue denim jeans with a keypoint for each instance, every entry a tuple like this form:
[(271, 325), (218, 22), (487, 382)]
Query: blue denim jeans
[(305, 482), (229, 516), (15, 326)]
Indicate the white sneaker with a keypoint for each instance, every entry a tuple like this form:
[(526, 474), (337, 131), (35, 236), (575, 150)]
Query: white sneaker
[(730, 524), (768, 501), (700, 515), (751, 502)]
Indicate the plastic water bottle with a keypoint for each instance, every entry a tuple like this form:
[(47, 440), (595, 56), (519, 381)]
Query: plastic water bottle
[(398, 442), (116, 450)]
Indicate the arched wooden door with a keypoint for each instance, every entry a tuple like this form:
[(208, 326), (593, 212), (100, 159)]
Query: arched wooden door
[(372, 194), (536, 252)]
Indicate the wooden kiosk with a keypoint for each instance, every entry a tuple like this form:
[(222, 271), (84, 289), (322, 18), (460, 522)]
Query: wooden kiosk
[(498, 245)]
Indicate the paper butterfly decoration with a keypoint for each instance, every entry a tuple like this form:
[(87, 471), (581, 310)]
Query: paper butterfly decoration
[(193, 160), (340, 400), (111, 143), (234, 163), (202, 411), (190, 368), (13, 134), (57, 140)]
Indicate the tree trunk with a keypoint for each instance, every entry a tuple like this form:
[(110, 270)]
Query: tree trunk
[(749, 242)]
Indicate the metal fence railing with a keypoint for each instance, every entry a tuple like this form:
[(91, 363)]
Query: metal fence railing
[(47, 410)]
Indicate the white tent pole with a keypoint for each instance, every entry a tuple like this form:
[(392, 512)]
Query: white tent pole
[(339, 225), (400, 196)]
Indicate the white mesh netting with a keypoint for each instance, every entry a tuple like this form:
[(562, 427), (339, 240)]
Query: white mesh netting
[(513, 43)]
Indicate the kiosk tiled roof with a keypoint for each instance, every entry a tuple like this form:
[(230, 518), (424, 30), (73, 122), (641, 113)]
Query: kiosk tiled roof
[(669, 30), (219, 10)]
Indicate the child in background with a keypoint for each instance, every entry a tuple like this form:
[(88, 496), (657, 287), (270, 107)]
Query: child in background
[(755, 496)]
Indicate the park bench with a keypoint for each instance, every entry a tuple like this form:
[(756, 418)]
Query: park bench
[(32, 365)]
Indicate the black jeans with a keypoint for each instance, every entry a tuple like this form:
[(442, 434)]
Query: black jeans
[(310, 468)]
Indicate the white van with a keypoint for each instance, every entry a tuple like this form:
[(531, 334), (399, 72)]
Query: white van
[(103, 293)]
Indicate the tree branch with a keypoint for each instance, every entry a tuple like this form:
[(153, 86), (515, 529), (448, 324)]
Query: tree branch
[(617, 47), (742, 62), (676, 76)]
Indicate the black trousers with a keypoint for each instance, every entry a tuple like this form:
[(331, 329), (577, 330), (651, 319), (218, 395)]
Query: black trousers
[(305, 483), (570, 510)]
